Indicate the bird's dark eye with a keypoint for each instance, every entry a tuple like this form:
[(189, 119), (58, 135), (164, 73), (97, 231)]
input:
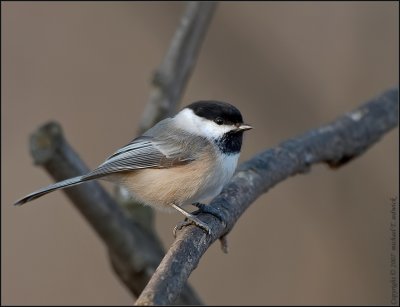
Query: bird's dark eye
[(219, 121)]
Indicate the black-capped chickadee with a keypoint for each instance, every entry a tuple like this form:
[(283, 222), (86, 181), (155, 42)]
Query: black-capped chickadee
[(181, 160)]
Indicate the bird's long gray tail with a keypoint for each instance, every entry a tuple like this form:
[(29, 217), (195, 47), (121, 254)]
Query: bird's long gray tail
[(50, 188)]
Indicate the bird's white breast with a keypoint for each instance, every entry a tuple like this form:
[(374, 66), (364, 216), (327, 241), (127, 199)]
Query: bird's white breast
[(225, 167)]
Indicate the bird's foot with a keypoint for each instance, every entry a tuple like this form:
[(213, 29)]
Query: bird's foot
[(203, 208), (191, 221)]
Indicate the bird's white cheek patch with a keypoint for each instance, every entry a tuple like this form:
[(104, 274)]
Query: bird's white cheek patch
[(187, 120)]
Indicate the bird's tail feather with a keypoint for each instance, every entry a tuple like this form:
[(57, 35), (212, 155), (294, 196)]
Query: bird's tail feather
[(59, 185)]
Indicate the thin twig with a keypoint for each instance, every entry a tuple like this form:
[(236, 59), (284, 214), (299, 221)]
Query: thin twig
[(335, 144)]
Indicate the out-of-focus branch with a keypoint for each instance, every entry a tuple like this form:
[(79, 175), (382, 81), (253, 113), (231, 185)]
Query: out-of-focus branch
[(169, 82), (335, 144), (171, 77), (135, 252)]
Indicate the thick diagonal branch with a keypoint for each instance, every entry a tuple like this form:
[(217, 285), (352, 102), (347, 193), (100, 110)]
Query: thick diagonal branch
[(335, 144)]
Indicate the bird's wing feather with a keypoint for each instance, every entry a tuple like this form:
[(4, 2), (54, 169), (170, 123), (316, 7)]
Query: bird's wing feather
[(142, 152)]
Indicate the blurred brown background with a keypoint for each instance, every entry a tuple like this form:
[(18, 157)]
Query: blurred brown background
[(320, 238)]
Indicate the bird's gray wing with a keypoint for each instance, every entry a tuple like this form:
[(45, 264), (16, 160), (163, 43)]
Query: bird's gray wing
[(142, 152)]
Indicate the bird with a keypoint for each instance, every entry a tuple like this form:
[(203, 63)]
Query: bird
[(181, 160)]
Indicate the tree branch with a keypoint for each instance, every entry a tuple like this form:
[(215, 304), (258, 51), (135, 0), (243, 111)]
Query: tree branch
[(335, 144), (169, 82), (135, 250)]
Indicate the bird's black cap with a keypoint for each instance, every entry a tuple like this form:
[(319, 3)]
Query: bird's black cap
[(217, 110)]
